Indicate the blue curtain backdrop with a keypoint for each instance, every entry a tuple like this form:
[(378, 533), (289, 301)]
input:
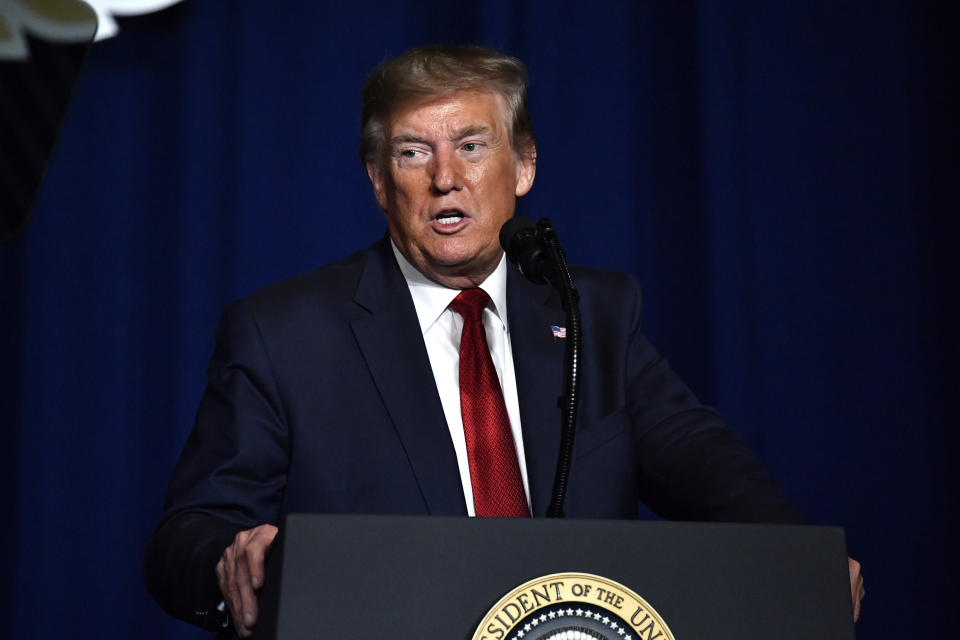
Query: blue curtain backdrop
[(780, 176)]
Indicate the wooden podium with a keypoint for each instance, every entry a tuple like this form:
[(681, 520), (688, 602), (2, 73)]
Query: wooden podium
[(435, 578)]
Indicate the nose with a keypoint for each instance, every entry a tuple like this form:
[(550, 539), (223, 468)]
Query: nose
[(447, 171)]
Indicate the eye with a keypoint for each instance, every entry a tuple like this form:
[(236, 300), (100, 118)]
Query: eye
[(411, 156), (470, 147)]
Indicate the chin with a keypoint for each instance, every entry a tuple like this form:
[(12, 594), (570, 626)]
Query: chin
[(450, 268), (452, 256)]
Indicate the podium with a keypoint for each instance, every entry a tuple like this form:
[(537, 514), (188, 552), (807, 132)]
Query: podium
[(433, 578)]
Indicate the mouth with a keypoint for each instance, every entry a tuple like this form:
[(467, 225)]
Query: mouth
[(448, 220), (448, 216)]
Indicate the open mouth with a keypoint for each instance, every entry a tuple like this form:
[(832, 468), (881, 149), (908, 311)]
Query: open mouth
[(449, 218)]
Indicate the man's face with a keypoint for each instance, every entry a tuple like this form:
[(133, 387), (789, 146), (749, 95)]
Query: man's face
[(448, 181)]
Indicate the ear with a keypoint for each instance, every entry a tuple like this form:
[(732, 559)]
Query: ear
[(375, 174), (526, 168)]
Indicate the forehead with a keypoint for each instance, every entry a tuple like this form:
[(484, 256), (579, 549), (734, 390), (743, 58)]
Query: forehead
[(447, 113)]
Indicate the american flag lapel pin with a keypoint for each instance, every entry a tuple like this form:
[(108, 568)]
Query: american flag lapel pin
[(558, 332)]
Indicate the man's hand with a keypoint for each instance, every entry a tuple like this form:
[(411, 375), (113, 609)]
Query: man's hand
[(240, 575), (856, 586)]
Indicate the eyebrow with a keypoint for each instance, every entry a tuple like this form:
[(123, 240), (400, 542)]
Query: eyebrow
[(406, 137), (471, 130), (460, 134)]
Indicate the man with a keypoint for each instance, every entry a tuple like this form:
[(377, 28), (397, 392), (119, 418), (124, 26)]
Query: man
[(351, 389)]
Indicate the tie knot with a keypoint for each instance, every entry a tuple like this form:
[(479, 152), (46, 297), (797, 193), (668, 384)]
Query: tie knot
[(469, 303)]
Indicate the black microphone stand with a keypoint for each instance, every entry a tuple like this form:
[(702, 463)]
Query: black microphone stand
[(568, 403)]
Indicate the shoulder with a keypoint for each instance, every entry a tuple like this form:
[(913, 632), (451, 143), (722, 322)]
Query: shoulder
[(606, 288), (610, 302), (594, 278), (325, 289), (294, 318)]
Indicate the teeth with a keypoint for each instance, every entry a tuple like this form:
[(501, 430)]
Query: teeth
[(449, 218)]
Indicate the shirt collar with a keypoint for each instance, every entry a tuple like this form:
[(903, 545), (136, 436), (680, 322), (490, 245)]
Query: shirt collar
[(431, 299)]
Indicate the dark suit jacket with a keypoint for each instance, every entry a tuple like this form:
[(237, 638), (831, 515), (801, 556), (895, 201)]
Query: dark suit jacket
[(321, 399)]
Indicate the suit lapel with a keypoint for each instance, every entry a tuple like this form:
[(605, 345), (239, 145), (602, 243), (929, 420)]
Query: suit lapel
[(392, 345), (538, 361)]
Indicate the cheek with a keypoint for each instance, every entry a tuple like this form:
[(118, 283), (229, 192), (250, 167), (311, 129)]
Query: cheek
[(478, 175), (405, 201), (494, 181)]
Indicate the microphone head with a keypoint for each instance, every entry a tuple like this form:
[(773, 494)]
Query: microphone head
[(518, 237), (513, 233)]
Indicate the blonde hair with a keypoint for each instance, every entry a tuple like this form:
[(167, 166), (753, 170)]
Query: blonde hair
[(434, 70)]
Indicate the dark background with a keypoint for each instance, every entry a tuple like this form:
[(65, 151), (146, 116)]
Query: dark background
[(782, 178)]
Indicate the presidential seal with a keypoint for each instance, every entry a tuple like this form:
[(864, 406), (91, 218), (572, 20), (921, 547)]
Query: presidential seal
[(572, 606)]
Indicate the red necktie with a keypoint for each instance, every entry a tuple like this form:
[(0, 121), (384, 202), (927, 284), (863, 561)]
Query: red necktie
[(494, 471)]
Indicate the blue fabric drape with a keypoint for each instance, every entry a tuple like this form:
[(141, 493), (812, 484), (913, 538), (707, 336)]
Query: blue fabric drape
[(780, 176)]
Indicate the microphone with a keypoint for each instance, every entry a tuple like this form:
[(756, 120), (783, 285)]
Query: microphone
[(524, 245), (535, 249)]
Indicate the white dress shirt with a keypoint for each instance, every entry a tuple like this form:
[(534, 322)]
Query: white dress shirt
[(441, 329)]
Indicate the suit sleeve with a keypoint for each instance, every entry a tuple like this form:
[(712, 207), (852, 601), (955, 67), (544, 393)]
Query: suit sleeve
[(692, 467), (230, 477)]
